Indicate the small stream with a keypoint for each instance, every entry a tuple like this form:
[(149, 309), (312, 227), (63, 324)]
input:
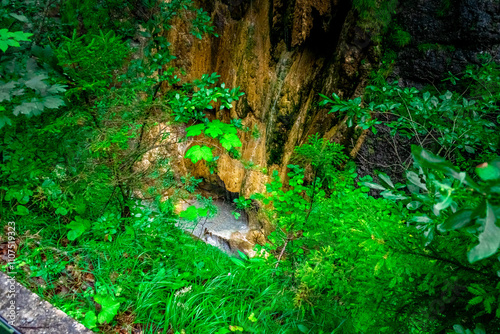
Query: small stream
[(218, 230)]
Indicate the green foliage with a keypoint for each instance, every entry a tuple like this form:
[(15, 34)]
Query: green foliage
[(9, 38), (197, 153), (77, 227), (242, 203), (193, 213), (455, 125), (439, 47), (446, 188), (375, 16), (399, 37), (90, 60), (109, 308)]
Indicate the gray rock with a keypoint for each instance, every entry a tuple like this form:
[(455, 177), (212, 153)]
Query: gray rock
[(32, 315)]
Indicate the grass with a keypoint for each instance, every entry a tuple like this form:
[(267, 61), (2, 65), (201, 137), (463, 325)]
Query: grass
[(165, 280)]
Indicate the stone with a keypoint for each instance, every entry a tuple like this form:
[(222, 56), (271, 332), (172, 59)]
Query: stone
[(33, 315)]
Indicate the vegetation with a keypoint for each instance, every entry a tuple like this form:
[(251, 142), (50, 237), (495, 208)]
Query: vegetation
[(90, 126)]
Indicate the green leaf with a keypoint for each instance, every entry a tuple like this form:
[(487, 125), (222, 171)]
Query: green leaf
[(413, 205), (445, 203), (52, 102), (428, 160), (229, 141), (22, 36), (238, 262), (191, 213), (55, 89), (421, 219), (61, 211), (4, 120), (384, 178), (21, 210), (489, 239), (415, 179), (32, 108), (195, 130), (373, 185), (78, 227), (110, 308), (303, 328), (197, 153), (202, 212), (458, 220), (90, 320), (3, 45), (21, 18), (387, 194), (215, 129), (36, 83), (489, 171), (476, 300), (129, 231)]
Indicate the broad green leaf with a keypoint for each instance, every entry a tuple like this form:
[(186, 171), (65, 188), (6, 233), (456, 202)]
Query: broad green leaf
[(384, 178), (191, 213), (238, 262), (421, 219), (78, 227), (373, 185), (428, 160), (110, 308), (303, 328), (229, 141), (195, 130), (413, 205), (21, 18), (55, 89), (21, 210), (387, 194), (215, 129), (22, 36), (458, 220), (37, 83), (4, 120), (445, 203), (243, 255), (414, 178), (3, 45), (489, 239), (61, 211), (202, 212), (90, 320), (52, 102), (32, 108), (197, 153), (489, 171)]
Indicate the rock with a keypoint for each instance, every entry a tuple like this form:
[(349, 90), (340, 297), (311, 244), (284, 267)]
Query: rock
[(33, 315)]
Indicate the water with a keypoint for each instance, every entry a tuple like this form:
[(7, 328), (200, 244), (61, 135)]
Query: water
[(220, 230)]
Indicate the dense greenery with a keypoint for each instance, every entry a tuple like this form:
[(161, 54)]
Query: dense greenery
[(92, 109)]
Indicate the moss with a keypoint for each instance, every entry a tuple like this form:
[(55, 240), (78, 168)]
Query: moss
[(435, 46), (284, 124), (445, 8), (375, 15)]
